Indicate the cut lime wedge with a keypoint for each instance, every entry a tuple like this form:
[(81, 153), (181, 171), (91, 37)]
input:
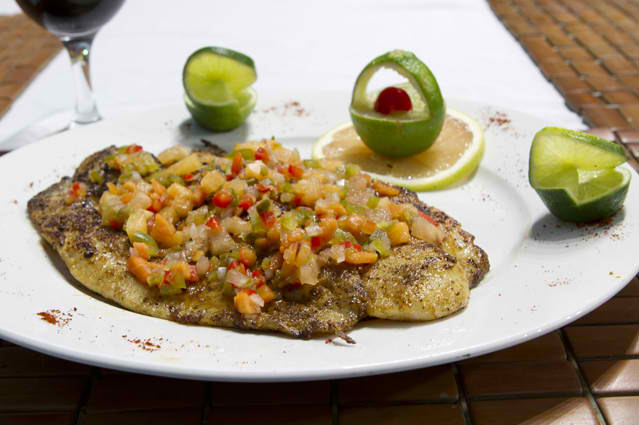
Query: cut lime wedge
[(217, 87), (401, 133), (577, 175)]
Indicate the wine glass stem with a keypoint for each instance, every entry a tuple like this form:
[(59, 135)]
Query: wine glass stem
[(86, 110)]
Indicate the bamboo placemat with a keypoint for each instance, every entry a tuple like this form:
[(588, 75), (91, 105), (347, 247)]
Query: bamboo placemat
[(584, 373), (25, 48)]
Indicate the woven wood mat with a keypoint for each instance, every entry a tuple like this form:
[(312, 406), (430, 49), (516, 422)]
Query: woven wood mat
[(584, 373), (25, 48)]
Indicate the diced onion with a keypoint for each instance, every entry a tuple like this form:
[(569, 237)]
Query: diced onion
[(257, 299), (202, 265), (236, 278), (424, 230), (221, 272), (313, 230)]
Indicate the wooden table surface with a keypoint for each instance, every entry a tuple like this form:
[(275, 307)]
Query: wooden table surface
[(584, 373)]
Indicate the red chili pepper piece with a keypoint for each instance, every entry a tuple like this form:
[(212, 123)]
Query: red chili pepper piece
[(392, 99), (316, 242), (294, 286), (295, 171), (429, 218), (214, 224), (262, 187), (262, 154), (115, 224), (246, 202), (297, 200), (222, 199), (257, 273), (268, 218), (347, 244), (133, 148), (237, 164), (188, 176)]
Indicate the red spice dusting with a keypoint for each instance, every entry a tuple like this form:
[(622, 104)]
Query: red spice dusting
[(144, 344), (56, 317), (500, 119)]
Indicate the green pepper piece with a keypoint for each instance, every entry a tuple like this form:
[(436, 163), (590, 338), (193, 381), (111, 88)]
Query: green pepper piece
[(372, 202), (380, 242), (289, 221), (95, 175), (148, 241), (351, 170), (247, 154), (263, 206)]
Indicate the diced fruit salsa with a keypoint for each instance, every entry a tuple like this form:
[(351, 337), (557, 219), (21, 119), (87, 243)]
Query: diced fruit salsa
[(254, 224)]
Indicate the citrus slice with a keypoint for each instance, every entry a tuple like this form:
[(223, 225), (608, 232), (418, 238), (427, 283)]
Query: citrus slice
[(217, 87), (577, 175), (452, 158), (398, 132)]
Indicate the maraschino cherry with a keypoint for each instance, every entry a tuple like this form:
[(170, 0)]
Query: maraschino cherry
[(392, 99)]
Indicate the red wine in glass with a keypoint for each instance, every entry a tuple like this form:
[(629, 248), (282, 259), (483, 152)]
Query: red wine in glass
[(76, 23)]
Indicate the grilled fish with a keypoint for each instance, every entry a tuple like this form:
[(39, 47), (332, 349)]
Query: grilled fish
[(418, 281)]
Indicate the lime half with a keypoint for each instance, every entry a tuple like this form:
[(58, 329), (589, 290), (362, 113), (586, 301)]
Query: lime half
[(452, 158), (401, 133), (217, 87), (577, 175)]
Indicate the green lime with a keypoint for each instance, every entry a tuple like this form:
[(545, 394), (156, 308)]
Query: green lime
[(401, 132), (577, 175), (452, 159), (217, 87)]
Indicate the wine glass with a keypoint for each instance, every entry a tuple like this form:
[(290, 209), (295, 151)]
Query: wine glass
[(76, 23)]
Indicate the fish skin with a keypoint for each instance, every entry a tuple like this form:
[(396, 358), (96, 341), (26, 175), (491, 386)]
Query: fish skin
[(419, 281)]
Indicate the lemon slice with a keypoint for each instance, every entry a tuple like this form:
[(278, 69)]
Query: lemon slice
[(577, 175), (453, 157)]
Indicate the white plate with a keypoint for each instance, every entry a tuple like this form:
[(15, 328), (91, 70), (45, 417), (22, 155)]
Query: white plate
[(544, 273)]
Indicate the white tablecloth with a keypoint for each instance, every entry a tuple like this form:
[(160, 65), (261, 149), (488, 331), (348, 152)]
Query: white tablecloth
[(138, 56)]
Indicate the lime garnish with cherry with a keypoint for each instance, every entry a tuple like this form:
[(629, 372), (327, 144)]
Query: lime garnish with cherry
[(578, 176), (453, 157), (401, 120), (217, 85)]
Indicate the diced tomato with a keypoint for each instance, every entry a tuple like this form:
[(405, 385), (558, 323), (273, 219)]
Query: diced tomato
[(429, 218), (222, 199), (238, 162), (262, 187), (133, 148), (193, 276), (316, 242), (295, 171), (262, 154), (355, 246), (213, 223), (246, 202), (268, 218), (236, 265)]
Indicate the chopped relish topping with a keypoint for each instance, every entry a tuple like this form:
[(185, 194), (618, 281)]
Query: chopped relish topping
[(254, 224)]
